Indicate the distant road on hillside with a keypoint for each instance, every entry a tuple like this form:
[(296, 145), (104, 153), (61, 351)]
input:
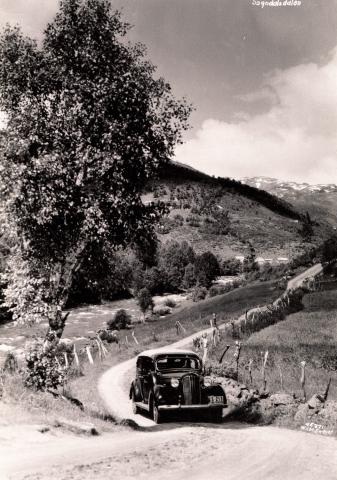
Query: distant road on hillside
[(309, 273)]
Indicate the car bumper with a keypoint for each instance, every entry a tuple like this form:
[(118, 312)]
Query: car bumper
[(207, 406)]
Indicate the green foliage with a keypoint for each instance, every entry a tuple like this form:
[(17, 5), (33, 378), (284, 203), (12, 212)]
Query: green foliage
[(306, 231), (221, 289), (218, 223), (199, 293), (88, 126), (207, 268), (43, 369), (231, 267), (329, 249), (173, 258), (104, 275), (189, 279), (249, 263), (169, 302), (144, 300), (120, 321), (154, 279), (162, 310), (224, 369)]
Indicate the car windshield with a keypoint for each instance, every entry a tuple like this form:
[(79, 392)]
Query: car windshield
[(166, 362)]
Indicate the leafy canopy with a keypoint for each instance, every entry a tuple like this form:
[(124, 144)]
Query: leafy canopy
[(88, 125)]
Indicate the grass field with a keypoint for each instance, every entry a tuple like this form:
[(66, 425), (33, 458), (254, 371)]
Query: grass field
[(309, 335)]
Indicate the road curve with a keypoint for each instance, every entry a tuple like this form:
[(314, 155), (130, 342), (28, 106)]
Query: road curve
[(309, 273), (113, 384)]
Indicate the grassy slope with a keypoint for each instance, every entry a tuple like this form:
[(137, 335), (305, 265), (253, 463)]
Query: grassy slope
[(308, 335), (271, 233)]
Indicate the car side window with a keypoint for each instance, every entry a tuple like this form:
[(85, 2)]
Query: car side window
[(148, 365), (139, 365)]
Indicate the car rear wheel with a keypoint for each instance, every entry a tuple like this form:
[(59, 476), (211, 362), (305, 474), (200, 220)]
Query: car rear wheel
[(135, 409)]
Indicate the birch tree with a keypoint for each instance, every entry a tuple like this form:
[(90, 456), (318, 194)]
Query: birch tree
[(88, 125)]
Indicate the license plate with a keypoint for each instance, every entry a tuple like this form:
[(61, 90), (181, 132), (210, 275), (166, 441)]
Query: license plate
[(215, 399)]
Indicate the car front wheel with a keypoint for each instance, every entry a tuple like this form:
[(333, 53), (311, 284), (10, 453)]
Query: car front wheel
[(156, 415)]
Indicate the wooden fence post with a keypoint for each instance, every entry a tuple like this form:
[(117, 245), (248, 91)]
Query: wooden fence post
[(326, 393), (91, 360), (224, 353), (237, 356), (250, 371), (76, 356), (281, 377), (134, 337), (302, 380), (264, 365)]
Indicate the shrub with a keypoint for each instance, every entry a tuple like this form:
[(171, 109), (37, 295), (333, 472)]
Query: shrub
[(207, 268), (179, 219), (120, 321), (199, 293), (162, 310), (189, 279), (144, 300), (43, 369), (221, 370), (169, 302), (220, 289)]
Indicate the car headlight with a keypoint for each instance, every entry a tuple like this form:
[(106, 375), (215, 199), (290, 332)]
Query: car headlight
[(175, 382), (207, 382)]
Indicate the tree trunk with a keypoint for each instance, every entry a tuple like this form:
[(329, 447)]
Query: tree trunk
[(55, 330), (61, 284)]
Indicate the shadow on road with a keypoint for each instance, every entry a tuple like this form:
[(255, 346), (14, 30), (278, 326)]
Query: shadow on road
[(182, 420)]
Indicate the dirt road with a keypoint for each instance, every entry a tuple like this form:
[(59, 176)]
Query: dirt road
[(175, 452), (309, 273)]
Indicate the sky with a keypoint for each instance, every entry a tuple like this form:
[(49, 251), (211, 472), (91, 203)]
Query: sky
[(262, 80)]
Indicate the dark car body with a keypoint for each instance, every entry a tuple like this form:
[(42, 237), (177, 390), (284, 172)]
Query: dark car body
[(171, 380)]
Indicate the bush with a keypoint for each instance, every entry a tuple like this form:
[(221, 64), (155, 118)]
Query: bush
[(162, 310), (207, 268), (169, 302), (43, 369), (144, 300), (120, 321), (199, 293), (224, 369), (179, 220), (220, 289)]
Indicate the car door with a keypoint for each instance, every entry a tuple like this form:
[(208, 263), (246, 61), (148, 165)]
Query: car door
[(147, 381), (139, 379)]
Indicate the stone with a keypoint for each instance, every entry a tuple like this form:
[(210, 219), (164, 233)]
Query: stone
[(315, 402), (282, 399), (302, 413)]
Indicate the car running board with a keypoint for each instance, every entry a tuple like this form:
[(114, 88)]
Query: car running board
[(142, 405)]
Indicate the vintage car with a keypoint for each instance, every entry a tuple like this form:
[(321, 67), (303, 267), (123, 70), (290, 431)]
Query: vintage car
[(171, 380)]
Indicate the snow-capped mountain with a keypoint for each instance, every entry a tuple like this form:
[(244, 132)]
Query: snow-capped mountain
[(283, 188), (319, 200)]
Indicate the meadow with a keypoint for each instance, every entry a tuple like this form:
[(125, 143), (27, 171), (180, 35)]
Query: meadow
[(309, 335)]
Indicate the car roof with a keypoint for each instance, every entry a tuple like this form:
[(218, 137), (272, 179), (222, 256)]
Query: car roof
[(165, 351)]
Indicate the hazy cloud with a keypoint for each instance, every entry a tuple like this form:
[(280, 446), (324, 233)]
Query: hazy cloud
[(295, 139)]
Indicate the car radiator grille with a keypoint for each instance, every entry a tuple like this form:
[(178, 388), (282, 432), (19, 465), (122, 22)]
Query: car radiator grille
[(191, 389)]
